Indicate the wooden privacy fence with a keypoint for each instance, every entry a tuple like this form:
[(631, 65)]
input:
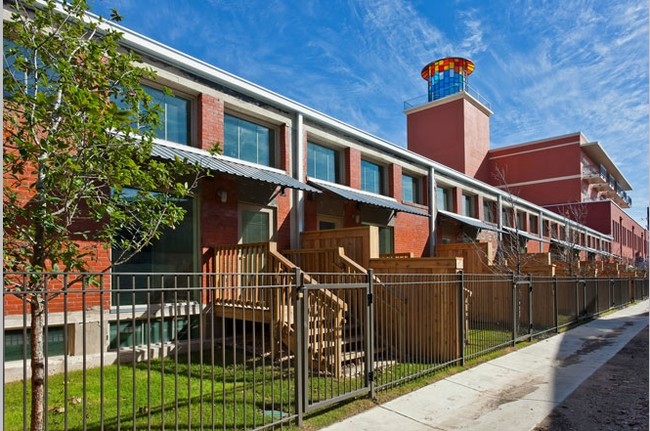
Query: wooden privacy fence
[(360, 243)]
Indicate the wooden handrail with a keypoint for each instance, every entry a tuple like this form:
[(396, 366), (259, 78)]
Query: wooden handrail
[(325, 293)]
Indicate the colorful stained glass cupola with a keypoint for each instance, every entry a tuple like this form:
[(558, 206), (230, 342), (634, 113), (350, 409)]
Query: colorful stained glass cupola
[(447, 76)]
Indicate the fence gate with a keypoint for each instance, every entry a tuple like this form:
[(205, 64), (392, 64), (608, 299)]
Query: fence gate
[(334, 338)]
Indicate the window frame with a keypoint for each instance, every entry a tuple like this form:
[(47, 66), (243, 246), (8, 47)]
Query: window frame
[(270, 211), (489, 207), (334, 220), (471, 199), (337, 162), (447, 200), (273, 139), (189, 111), (380, 181), (194, 220), (416, 183)]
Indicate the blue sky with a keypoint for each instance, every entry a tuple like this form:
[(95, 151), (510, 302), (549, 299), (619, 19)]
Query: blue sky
[(547, 68)]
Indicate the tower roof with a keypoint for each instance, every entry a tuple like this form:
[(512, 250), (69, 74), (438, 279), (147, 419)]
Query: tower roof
[(458, 64)]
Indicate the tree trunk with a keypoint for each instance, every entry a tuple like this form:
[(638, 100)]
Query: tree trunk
[(37, 363)]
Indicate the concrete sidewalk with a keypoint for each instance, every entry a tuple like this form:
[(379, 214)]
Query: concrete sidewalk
[(511, 393)]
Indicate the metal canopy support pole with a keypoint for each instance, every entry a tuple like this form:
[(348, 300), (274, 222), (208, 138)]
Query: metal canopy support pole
[(433, 211), (298, 196)]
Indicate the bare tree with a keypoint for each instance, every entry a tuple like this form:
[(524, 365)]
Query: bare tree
[(569, 239)]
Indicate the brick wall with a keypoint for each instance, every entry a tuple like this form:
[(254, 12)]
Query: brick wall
[(353, 168), (411, 234), (210, 121)]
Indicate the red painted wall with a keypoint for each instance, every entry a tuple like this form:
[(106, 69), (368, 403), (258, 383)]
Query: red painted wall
[(546, 164), (437, 133), (456, 134)]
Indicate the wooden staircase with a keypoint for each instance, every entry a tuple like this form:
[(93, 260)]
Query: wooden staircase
[(259, 278), (388, 310)]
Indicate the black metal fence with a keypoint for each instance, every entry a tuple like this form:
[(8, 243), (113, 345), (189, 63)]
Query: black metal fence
[(259, 351)]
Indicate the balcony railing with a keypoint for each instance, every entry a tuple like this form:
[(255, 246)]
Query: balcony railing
[(424, 99)]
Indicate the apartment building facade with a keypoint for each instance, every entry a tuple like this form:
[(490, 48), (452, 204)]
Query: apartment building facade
[(286, 168)]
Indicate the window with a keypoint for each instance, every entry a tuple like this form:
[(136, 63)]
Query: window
[(386, 240), (326, 222), (174, 116), (17, 61), (521, 220), (411, 189), (322, 163), (546, 228), (489, 211), (372, 177), (255, 225), (468, 205), (16, 341), (443, 199), (245, 140), (506, 216), (534, 224), (174, 252)]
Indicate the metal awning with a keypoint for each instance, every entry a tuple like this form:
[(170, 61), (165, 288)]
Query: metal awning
[(366, 198), (569, 245), (469, 221), (219, 164), (524, 234)]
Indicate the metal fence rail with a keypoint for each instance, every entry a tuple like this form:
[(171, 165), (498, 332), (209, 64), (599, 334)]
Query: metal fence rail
[(261, 350)]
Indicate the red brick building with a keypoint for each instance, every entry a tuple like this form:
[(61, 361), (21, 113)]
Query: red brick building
[(287, 168)]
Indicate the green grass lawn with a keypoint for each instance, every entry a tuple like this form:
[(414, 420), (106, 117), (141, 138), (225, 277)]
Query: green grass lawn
[(241, 395), (246, 392)]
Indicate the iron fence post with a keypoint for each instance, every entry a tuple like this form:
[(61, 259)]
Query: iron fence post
[(577, 299), (514, 310), (300, 322), (597, 299), (610, 303), (530, 307), (462, 315), (584, 298), (370, 335), (556, 312)]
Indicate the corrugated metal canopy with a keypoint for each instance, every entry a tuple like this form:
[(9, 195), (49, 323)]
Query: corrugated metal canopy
[(524, 234), (569, 245), (469, 221), (367, 198), (219, 164)]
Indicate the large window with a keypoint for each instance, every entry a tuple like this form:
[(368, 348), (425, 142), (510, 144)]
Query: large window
[(411, 189), (174, 252), (249, 141), (372, 177), (174, 116), (444, 199), (322, 163)]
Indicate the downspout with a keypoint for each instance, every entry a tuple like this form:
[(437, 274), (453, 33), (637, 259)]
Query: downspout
[(540, 230), (298, 196), (433, 211)]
